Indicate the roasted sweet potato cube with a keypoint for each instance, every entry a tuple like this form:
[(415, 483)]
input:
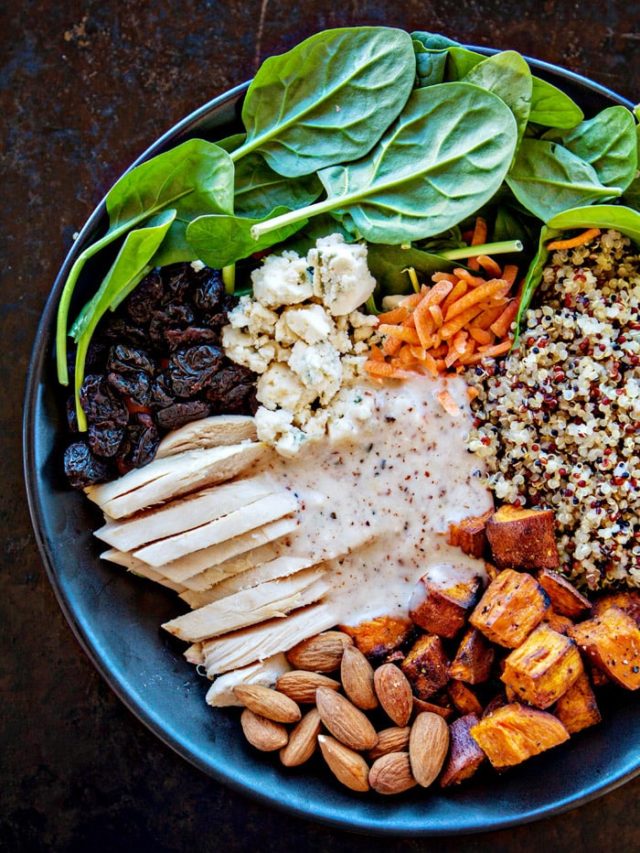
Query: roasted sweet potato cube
[(498, 701), (443, 609), (543, 667), (470, 534), (426, 666), (516, 732), (628, 601), (565, 598), (474, 658), (465, 756), (492, 571), (577, 709), (523, 538), (379, 637), (419, 705), (612, 642), (464, 698), (511, 607), (559, 623), (597, 676)]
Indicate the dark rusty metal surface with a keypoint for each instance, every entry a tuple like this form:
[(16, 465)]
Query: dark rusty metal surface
[(84, 87)]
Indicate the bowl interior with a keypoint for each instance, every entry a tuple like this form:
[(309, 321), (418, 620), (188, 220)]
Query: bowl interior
[(116, 617)]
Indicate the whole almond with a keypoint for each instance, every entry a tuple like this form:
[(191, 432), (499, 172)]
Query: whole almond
[(302, 740), (347, 766), (301, 685), (264, 734), (344, 720), (394, 739), (394, 693), (356, 674), (268, 703), (428, 747), (321, 653), (391, 773)]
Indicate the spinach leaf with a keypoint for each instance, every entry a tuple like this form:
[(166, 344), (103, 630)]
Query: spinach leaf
[(622, 219), (387, 265), (194, 178), (546, 179), (431, 51), (309, 233), (607, 142), (175, 249), (426, 174), (258, 189), (550, 106), (433, 41), (220, 241), (533, 277), (632, 193), (507, 75), (461, 61), (512, 224), (329, 99), (127, 271), (231, 143)]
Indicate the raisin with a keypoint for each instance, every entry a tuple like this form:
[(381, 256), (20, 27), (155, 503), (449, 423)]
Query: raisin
[(82, 468), (122, 332), (227, 378), (100, 404), (180, 414), (104, 440), (209, 294), (161, 394), (135, 385), (96, 356), (178, 280), (191, 336), (72, 417), (172, 316), (123, 359), (139, 445), (220, 318), (145, 299), (191, 370)]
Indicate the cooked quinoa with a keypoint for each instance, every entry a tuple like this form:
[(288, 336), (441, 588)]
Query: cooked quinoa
[(558, 421)]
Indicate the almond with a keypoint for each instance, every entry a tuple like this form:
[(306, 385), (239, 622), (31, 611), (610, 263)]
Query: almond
[(428, 747), (356, 674), (301, 685), (321, 653), (391, 773), (394, 739), (268, 703), (344, 720), (346, 765), (264, 734), (302, 740), (394, 693)]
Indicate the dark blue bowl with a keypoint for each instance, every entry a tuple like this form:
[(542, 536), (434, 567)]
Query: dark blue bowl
[(116, 618)]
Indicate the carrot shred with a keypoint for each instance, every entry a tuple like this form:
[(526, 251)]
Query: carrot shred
[(510, 273), (405, 355), (401, 333), (431, 364), (573, 242), (495, 287), (459, 321), (448, 404), (478, 237), (375, 353), (472, 280), (444, 276), (397, 315), (502, 325), (481, 336), (436, 315), (451, 357), (458, 291), (490, 266), (459, 341), (391, 345), (379, 368), (490, 352), (410, 301), (488, 316)]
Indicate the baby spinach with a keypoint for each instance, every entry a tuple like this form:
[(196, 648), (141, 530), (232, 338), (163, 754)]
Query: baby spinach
[(507, 75), (327, 100), (546, 179), (388, 265), (607, 142), (431, 51), (427, 173), (194, 177), (622, 219), (129, 268), (533, 277), (258, 189), (220, 241), (461, 61), (550, 107)]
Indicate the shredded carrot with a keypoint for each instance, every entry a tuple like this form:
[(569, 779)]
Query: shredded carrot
[(379, 368), (488, 316), (481, 336), (409, 336), (448, 404), (478, 237), (431, 364), (459, 290), (397, 315), (436, 315), (375, 353), (489, 352), (472, 280), (509, 273), (444, 276), (572, 242), (451, 357), (391, 345), (459, 342), (502, 325), (405, 356), (410, 301), (459, 321), (490, 266), (495, 287)]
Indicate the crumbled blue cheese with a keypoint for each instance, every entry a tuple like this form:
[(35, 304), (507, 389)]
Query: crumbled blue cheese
[(282, 280), (280, 387), (341, 277)]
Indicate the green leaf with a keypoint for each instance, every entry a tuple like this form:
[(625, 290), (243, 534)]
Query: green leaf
[(433, 41), (311, 231), (550, 106), (533, 277), (546, 179), (329, 99), (431, 51), (129, 268), (231, 143), (220, 241), (632, 193), (507, 75), (607, 142), (175, 249), (388, 265), (616, 216), (258, 189)]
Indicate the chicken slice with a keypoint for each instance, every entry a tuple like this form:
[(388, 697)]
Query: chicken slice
[(221, 695), (208, 432)]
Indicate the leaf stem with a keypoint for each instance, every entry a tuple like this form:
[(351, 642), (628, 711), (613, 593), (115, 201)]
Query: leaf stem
[(262, 228), (503, 247), (229, 278)]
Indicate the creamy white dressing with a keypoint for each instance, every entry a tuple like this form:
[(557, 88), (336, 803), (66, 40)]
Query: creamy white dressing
[(388, 491)]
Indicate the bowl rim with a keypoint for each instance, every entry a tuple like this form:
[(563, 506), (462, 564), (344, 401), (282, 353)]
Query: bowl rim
[(143, 711)]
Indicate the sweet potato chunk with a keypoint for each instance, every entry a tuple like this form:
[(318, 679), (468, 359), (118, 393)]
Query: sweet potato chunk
[(577, 709), (511, 607), (515, 732), (565, 598), (543, 667), (612, 642), (498, 701), (381, 636), (561, 624), (470, 534), (443, 610), (628, 601), (523, 538), (426, 666), (465, 756), (464, 698), (474, 658)]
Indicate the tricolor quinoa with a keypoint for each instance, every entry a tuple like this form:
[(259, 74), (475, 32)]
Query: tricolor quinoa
[(557, 422)]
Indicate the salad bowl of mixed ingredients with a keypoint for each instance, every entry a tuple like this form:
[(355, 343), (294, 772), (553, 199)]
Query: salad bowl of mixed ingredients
[(332, 435)]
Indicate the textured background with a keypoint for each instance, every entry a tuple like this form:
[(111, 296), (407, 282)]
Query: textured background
[(84, 88)]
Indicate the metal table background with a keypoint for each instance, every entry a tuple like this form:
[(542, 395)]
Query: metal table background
[(84, 88)]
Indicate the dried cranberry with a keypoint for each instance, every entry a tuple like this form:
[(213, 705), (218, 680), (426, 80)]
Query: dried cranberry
[(127, 360), (209, 294), (145, 299), (82, 468), (100, 404), (180, 414), (135, 385), (191, 336), (104, 440), (191, 370)]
